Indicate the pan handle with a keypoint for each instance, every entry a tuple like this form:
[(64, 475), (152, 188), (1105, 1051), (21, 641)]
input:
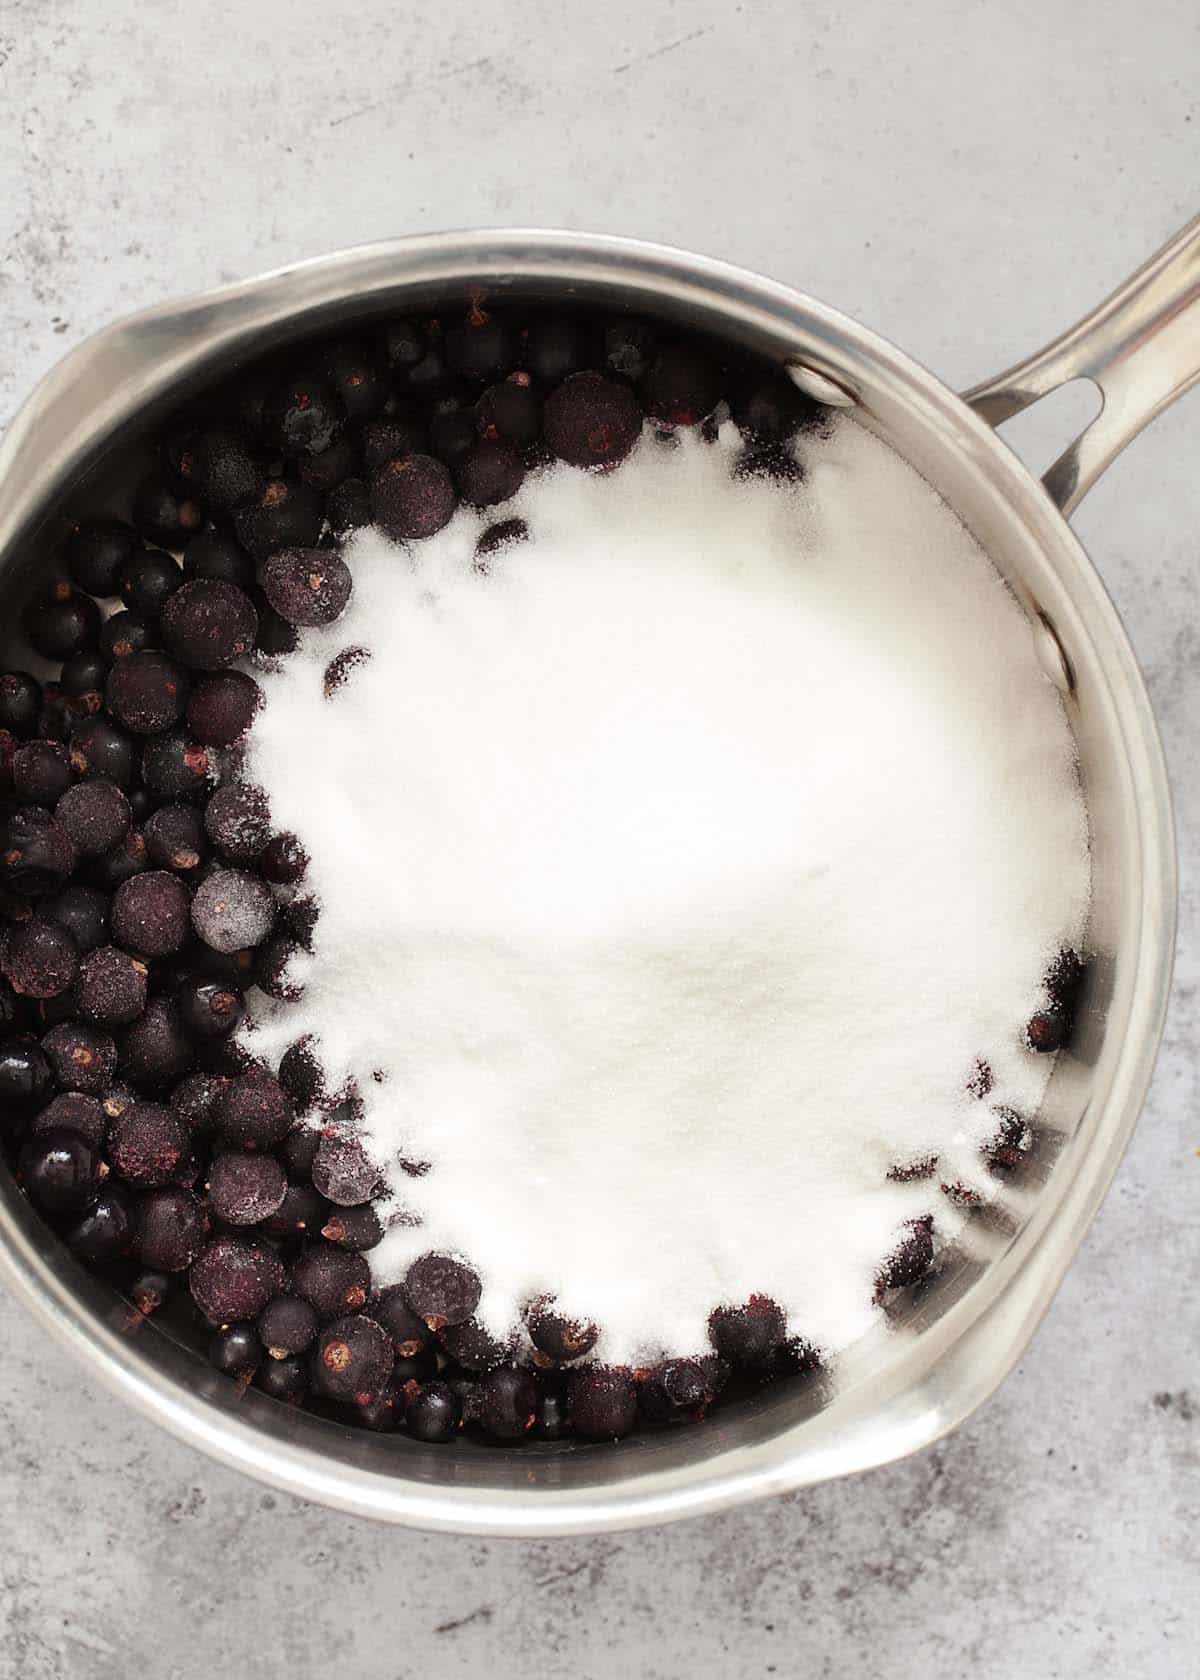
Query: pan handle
[(1141, 347)]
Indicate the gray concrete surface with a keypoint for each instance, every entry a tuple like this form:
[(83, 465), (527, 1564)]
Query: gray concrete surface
[(966, 177)]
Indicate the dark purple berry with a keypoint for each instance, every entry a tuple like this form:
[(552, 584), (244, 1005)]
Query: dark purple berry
[(491, 473), (58, 715), (41, 772), (217, 555), (254, 1112), (73, 1111), (126, 859), (349, 506), (147, 580), (453, 432), (429, 372), (307, 586), (155, 1051), (233, 910), (675, 1391), (557, 1336), (146, 692), (1064, 980), (174, 836), (302, 416), (237, 819), (175, 766), (343, 1172), (472, 1346), (332, 1280), (195, 1098), (60, 1171), (502, 535), (510, 412), (628, 347), (283, 1379), (442, 1290), (747, 1335), (81, 1058), (592, 421), (93, 551), (111, 988), (774, 461), (403, 343), (283, 860), (235, 1350), (412, 497), (245, 1189), (353, 1359), (288, 514), (355, 1228), (1048, 1030), (356, 376), (233, 1278), (287, 1326), (273, 972), (433, 1413), (555, 348), (39, 958), (25, 1078), (99, 748), (774, 410), (507, 1405), (82, 681), (410, 1334), (95, 815), (209, 1008), (36, 854), (125, 634), (107, 1230), (172, 1229), (221, 708), (390, 437), (302, 1078), (298, 920), (146, 1144), (324, 473), (218, 463), (150, 914), (300, 1214), (911, 1258), (62, 622), (1013, 1143), (602, 1401), (276, 636), (20, 703), (482, 347), (682, 387), (163, 515), (208, 624)]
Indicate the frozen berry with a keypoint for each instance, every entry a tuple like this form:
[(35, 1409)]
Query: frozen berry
[(233, 910), (412, 497), (403, 343), (245, 1189), (301, 1076), (163, 514), (592, 421), (275, 635), (356, 376), (146, 1144), (41, 772), (773, 461), (355, 1228), (911, 1258), (343, 1172), (218, 555), (555, 348), (307, 586), (300, 1214), (60, 1171), (681, 387), (410, 1334), (93, 551), (510, 412), (602, 1401), (283, 860), (325, 472), (172, 1228), (1013, 1143), (288, 514), (99, 748), (1064, 980), (175, 766), (82, 681), (507, 1406), (146, 692), (747, 1335), (628, 347), (287, 1325), (218, 463), (208, 624), (125, 860), (156, 1050), (429, 373), (36, 854), (95, 815), (83, 912), (39, 958), (150, 914), (174, 836), (233, 1278), (349, 506), (392, 436), (491, 473), (195, 1098), (472, 1346), (433, 1413), (557, 1336), (283, 1379), (302, 416), (62, 621), (72, 1111), (773, 410), (254, 1112), (496, 537), (674, 1391), (147, 579), (25, 1078), (482, 347), (107, 1230), (81, 1058), (1048, 1030), (20, 703), (298, 919), (332, 1280), (235, 1350), (237, 820), (221, 708), (111, 988), (353, 1359), (442, 1290), (124, 634), (210, 1009)]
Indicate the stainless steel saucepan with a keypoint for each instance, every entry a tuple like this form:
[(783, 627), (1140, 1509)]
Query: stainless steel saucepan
[(903, 1388)]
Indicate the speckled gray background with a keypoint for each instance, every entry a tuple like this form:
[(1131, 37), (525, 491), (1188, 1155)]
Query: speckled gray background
[(965, 177)]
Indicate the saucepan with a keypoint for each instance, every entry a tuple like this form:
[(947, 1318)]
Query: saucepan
[(912, 1382)]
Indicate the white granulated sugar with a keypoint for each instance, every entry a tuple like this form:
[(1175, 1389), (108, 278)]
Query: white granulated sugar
[(675, 874)]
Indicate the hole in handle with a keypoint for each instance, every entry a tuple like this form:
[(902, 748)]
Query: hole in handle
[(1040, 433)]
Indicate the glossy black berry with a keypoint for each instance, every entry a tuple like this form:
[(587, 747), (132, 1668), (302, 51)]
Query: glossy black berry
[(352, 1360), (126, 633), (332, 1280), (165, 515), (559, 1336), (93, 551), (82, 681), (481, 347), (442, 1290), (245, 1188), (773, 410), (150, 914), (592, 420), (602, 1401), (254, 1112), (491, 473), (222, 707), (235, 1351), (300, 1214), (83, 912), (283, 860), (674, 1391), (555, 348), (219, 465), (409, 1332), (107, 1229), (507, 1403), (111, 988), (125, 860), (288, 514), (156, 1051), (39, 958), (307, 586), (175, 766), (433, 1413), (349, 506), (172, 1228), (20, 703), (60, 1171), (283, 1379), (355, 1228), (681, 387), (323, 473), (208, 624), (40, 772), (343, 1172), (72, 1111), (217, 555), (355, 373), (302, 415), (287, 1326), (233, 910), (233, 1278), (58, 715), (62, 622), (175, 839), (510, 412), (453, 432), (145, 582), (36, 854), (426, 376), (99, 748), (412, 497), (81, 1057), (210, 1009), (25, 1078)]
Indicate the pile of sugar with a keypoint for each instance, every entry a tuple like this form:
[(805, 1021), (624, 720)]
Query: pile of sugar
[(674, 875)]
